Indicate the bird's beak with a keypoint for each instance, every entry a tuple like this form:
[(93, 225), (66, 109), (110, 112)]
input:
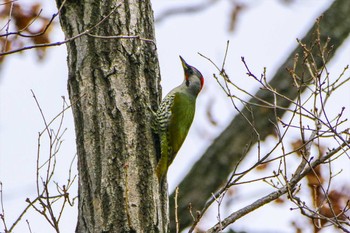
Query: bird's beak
[(184, 64)]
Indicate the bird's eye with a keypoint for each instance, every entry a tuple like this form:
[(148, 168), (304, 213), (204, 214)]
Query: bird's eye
[(190, 72)]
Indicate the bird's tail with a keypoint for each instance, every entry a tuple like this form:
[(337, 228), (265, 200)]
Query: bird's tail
[(162, 166)]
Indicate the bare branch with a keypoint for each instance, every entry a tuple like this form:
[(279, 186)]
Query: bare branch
[(61, 42), (274, 195)]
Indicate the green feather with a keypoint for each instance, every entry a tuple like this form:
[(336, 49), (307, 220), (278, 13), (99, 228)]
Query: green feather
[(173, 133), (175, 115)]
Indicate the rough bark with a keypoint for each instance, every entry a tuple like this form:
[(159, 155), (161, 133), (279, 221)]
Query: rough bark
[(211, 171), (111, 82)]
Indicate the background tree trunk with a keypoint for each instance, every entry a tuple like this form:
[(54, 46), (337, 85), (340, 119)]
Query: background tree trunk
[(111, 82), (212, 170)]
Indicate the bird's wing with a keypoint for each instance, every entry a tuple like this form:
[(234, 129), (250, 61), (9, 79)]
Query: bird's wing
[(180, 122), (163, 120)]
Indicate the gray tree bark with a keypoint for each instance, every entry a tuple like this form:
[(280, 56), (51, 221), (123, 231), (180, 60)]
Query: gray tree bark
[(111, 82), (212, 170)]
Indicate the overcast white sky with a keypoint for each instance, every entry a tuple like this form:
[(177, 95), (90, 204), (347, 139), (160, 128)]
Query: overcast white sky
[(264, 35)]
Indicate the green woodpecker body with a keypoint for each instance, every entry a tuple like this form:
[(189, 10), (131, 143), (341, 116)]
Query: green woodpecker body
[(175, 115)]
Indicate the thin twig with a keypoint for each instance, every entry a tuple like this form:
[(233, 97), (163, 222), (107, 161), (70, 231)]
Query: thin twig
[(274, 195), (61, 42), (176, 206)]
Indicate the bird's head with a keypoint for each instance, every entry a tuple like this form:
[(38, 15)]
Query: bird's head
[(193, 78)]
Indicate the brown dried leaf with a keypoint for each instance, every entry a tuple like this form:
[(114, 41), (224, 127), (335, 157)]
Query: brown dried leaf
[(297, 146), (36, 8), (279, 200), (236, 10), (262, 167), (315, 178), (209, 112), (296, 227), (5, 45), (21, 19)]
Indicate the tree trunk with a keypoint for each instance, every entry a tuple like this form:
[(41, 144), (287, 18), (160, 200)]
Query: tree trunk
[(111, 82), (227, 150)]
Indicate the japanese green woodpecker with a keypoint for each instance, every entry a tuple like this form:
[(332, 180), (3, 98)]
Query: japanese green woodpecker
[(175, 115)]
